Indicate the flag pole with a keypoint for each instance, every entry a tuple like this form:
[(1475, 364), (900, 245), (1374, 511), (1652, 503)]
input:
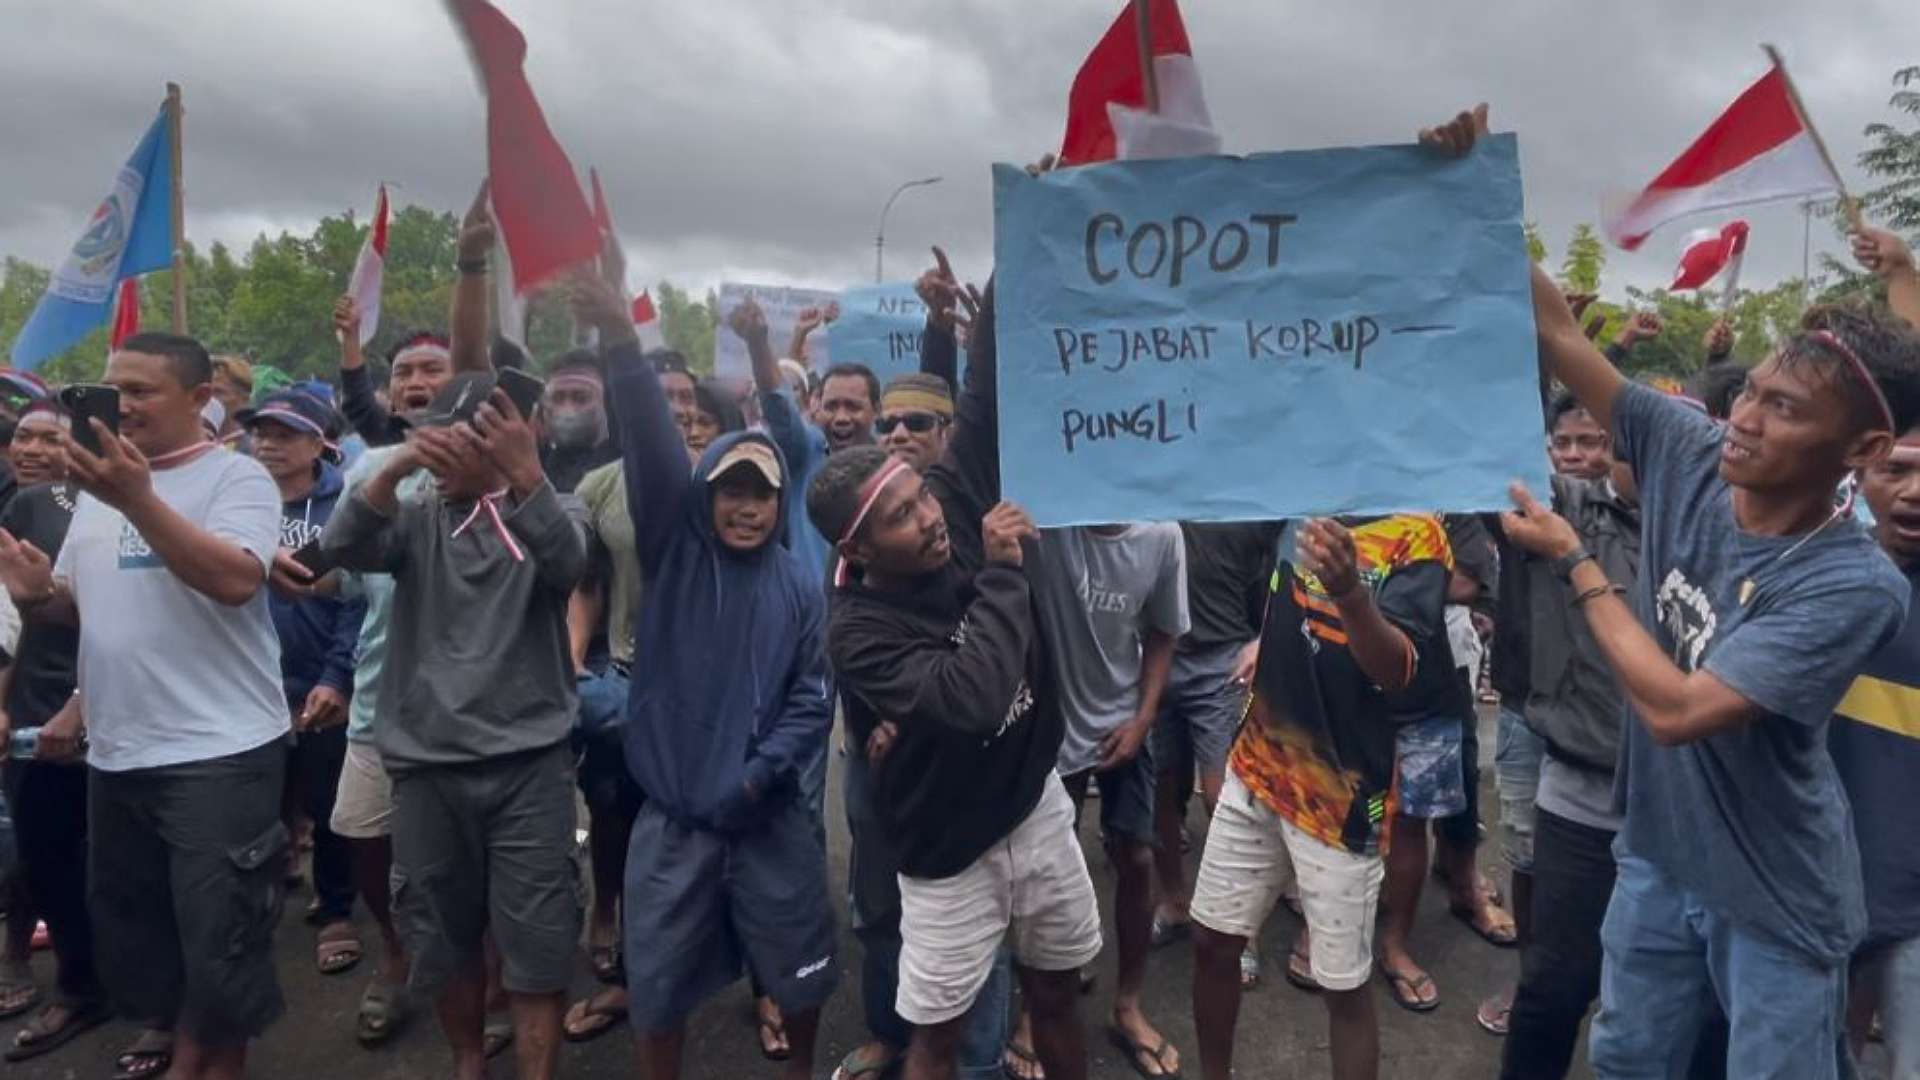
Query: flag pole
[(178, 210), (1143, 35), (1848, 204)]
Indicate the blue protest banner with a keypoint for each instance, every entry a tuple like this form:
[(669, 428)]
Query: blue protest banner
[(1221, 339), (880, 326)]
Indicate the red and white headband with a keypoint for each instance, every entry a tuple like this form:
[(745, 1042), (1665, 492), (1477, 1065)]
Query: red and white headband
[(424, 350), (1831, 341)]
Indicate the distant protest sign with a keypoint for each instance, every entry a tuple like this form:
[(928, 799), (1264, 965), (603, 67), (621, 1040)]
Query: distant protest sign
[(1222, 339), (783, 305), (880, 326)]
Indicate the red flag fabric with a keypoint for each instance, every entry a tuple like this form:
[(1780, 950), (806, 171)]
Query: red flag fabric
[(1111, 76), (1708, 253), (126, 312), (643, 309), (1756, 151), (537, 203)]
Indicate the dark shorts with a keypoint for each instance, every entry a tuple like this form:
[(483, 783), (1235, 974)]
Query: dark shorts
[(702, 906), (185, 876), (1126, 797), (488, 846), (1200, 712)]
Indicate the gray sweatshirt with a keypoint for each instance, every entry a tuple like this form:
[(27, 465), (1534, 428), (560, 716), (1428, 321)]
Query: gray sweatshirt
[(477, 664)]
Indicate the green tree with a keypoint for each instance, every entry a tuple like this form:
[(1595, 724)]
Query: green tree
[(1536, 247), (1895, 155), (688, 325), (1585, 261)]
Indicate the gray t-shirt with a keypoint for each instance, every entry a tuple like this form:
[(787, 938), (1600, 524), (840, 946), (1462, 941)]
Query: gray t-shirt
[(1100, 596), (1753, 821), (1582, 796), (169, 674)]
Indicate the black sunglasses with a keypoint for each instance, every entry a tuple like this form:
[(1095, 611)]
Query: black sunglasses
[(918, 423)]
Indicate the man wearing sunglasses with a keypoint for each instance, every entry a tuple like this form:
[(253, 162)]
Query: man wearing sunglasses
[(916, 414)]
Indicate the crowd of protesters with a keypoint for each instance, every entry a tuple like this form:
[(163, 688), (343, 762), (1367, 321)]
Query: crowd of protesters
[(416, 643)]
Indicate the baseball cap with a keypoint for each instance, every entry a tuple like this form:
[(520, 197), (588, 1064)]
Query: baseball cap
[(299, 411), (748, 452), (24, 383)]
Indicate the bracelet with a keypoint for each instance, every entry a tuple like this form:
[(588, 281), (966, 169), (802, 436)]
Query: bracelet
[(1599, 591), (472, 266)]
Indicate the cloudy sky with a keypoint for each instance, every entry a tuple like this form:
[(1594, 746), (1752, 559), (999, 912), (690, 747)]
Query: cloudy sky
[(756, 140)]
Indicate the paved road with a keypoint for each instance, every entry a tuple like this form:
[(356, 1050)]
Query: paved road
[(1282, 1031)]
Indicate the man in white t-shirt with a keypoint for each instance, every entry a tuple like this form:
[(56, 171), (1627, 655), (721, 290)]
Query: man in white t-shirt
[(164, 568)]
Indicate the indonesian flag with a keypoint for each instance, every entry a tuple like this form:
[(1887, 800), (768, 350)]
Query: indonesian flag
[(370, 269), (1106, 109), (1709, 252), (646, 323), (126, 313), (537, 204), (1759, 150)]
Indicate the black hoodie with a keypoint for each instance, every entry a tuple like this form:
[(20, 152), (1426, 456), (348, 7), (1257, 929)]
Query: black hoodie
[(955, 663)]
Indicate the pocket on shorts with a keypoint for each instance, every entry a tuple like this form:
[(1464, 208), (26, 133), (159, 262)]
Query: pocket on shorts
[(258, 868)]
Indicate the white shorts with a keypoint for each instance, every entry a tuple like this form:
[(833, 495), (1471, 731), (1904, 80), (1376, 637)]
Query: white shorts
[(1253, 854), (363, 806), (1033, 884)]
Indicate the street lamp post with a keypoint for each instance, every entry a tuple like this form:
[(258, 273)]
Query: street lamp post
[(880, 233)]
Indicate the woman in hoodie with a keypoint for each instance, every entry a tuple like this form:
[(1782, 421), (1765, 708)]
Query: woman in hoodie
[(724, 870), (317, 639)]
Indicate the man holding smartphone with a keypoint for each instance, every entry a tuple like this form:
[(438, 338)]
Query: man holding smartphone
[(163, 569)]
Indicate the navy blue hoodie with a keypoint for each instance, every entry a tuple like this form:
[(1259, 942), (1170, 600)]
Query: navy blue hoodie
[(732, 699), (317, 635)]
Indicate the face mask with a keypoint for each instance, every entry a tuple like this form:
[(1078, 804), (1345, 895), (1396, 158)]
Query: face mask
[(576, 430)]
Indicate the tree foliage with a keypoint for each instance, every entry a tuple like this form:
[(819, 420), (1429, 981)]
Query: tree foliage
[(1895, 155), (274, 303), (1586, 260)]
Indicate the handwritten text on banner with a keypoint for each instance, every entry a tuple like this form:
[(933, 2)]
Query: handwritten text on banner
[(1312, 332)]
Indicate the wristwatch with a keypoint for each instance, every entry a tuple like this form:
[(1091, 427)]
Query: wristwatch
[(1563, 566)]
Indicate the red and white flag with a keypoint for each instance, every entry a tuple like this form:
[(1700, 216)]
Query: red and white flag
[(646, 323), (126, 313), (1759, 150), (1708, 252), (1107, 113), (369, 270), (537, 204)]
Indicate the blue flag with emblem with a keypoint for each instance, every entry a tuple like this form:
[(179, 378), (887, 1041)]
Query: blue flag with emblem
[(130, 233)]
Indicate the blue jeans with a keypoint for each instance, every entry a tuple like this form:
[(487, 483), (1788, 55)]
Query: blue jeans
[(1668, 959), (1894, 973), (1516, 775), (983, 1043)]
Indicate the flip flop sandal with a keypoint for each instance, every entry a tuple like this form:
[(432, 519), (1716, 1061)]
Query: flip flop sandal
[(150, 1055), (34, 1039), (42, 939), (496, 1037), (858, 1066), (1026, 1056), (1500, 937), (1249, 968), (384, 1010), (1166, 932), (338, 949), (1300, 972), (1406, 990), (778, 1029), (586, 1020), (1135, 1050), (1494, 1015), (607, 963)]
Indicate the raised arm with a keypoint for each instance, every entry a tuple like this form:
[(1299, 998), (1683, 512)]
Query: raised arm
[(1886, 254), (357, 401), (467, 321), (655, 454), (950, 306), (785, 426)]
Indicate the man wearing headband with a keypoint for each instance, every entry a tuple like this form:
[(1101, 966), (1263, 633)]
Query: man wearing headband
[(916, 416), (476, 715), (419, 365), (1758, 601), (317, 638), (1875, 739), (164, 567), (725, 870), (949, 696), (573, 416)]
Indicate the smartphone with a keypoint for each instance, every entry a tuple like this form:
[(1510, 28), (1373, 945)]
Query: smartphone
[(524, 390), (315, 560), (89, 401)]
